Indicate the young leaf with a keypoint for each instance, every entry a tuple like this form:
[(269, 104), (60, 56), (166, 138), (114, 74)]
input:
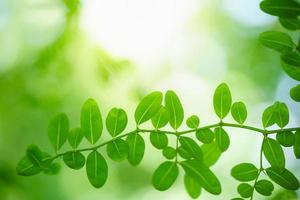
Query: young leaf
[(291, 58), (269, 116), (58, 130), (291, 71), (26, 168), (175, 109), (159, 140), (165, 175), (244, 172), (91, 121), (284, 178), (278, 41), (295, 93), (222, 100), (183, 153), (96, 169), (169, 152), (222, 139), (74, 159), (245, 190), (205, 135), (192, 186), (136, 148), (75, 137), (148, 107), (116, 121), (286, 139), (290, 23), (297, 144), (191, 147), (239, 112), (264, 187), (203, 175), (274, 153), (282, 111), (281, 8), (117, 150), (211, 153), (161, 118), (193, 121)]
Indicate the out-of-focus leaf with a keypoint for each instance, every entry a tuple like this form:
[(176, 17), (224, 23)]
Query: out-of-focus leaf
[(165, 175), (26, 168), (58, 130), (52, 169), (281, 8), (91, 121), (175, 109), (292, 71), (211, 153), (295, 93), (291, 58), (192, 186), (290, 23), (278, 41), (297, 144)]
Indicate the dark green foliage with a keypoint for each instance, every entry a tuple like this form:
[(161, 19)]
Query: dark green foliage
[(281, 8), (136, 148), (74, 160), (284, 178), (205, 135), (286, 139), (117, 150), (290, 23), (264, 187), (297, 145), (295, 93), (96, 169), (165, 175), (274, 153), (245, 190), (169, 153), (278, 41)]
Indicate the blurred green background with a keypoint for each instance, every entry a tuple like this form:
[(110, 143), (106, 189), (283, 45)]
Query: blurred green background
[(57, 53)]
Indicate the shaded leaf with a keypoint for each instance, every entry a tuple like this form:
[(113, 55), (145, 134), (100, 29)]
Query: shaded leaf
[(75, 137), (203, 175), (290, 23), (91, 121), (193, 121), (161, 118), (222, 100), (278, 41), (52, 169), (244, 172), (175, 109), (222, 139), (295, 93), (297, 144), (264, 187), (291, 58), (58, 130), (269, 116), (165, 175), (183, 153), (239, 112), (281, 8), (245, 190), (116, 121), (169, 152), (284, 178), (292, 71), (148, 107), (191, 147), (26, 168), (192, 186), (159, 140), (74, 160), (286, 139), (117, 150), (282, 112), (211, 153), (205, 135), (136, 148), (96, 169), (274, 153)]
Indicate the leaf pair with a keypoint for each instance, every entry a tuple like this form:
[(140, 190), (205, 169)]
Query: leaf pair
[(277, 113)]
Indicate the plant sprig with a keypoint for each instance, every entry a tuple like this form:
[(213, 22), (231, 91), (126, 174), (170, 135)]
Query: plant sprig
[(194, 159)]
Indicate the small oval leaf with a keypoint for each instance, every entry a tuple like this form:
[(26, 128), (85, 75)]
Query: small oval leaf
[(116, 121), (264, 187), (26, 168), (205, 135), (193, 121), (175, 109), (269, 116), (239, 112), (244, 172), (282, 112), (169, 153), (278, 41), (245, 190), (58, 130), (286, 139), (159, 140), (75, 137), (117, 150), (211, 153), (165, 175), (192, 186), (74, 160), (291, 58), (274, 153), (222, 100), (290, 23), (297, 144), (96, 169), (222, 139), (295, 93), (161, 118), (136, 148), (281, 8)]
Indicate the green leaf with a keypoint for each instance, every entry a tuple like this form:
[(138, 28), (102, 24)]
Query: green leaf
[(136, 148), (269, 116), (290, 23), (211, 153), (222, 100), (26, 168), (274, 153), (37, 157), (169, 152), (245, 190), (75, 137), (244, 172), (203, 175), (237, 198), (282, 111), (159, 140), (183, 153), (193, 121), (191, 147), (264, 187), (292, 71), (222, 139), (205, 135), (91, 121), (295, 93), (175, 109), (74, 159), (148, 107), (117, 150), (58, 130), (286, 139), (192, 186), (239, 112), (281, 8), (52, 169), (278, 41), (297, 144), (96, 169), (116, 121), (161, 118), (284, 178), (165, 175), (291, 58)]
